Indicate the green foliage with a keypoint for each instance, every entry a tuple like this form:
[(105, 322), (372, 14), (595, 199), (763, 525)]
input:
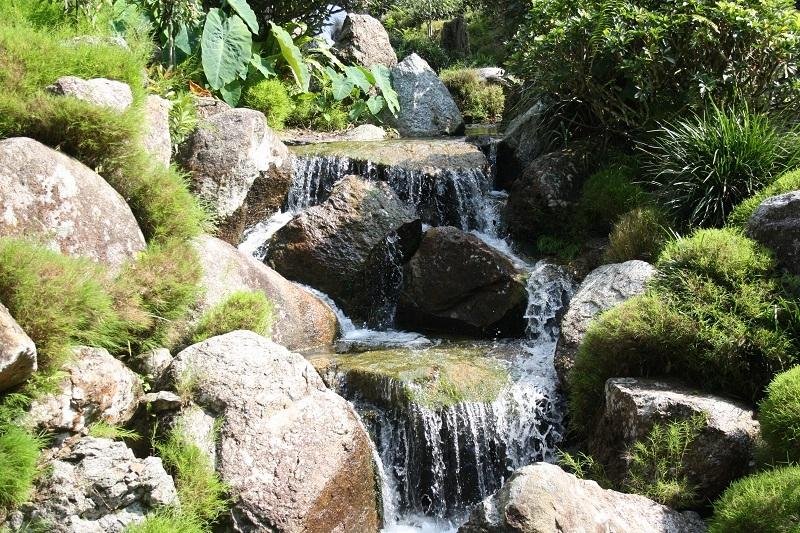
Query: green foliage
[(779, 414), (703, 166), (409, 41), (167, 521), (606, 196), (293, 57), (19, 453), (768, 501), (173, 21), (242, 310), (638, 234), (563, 247), (271, 98), (629, 62), (478, 101), (741, 213), (182, 118), (104, 430), (584, 466), (226, 49), (657, 463)]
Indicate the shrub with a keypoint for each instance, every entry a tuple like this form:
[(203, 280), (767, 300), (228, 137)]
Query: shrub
[(317, 112), (242, 310), (606, 196), (478, 101), (584, 467), (631, 62), (638, 234), (271, 98), (769, 501), (19, 452), (779, 414), (741, 213), (704, 166)]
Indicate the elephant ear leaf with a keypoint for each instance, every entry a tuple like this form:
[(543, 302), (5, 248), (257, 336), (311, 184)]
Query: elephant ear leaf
[(383, 80), (226, 48), (244, 10), (293, 57)]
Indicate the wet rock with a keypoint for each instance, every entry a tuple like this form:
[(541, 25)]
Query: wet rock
[(776, 225), (542, 498), (364, 41), (17, 352), (156, 139), (350, 247), (98, 91), (301, 320), (97, 387), (98, 486), (722, 452), (604, 288), (542, 197), (58, 200), (426, 107), (455, 281), (292, 451), (522, 144), (239, 167)]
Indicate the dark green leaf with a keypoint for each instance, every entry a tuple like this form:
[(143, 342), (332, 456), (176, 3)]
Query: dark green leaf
[(226, 45)]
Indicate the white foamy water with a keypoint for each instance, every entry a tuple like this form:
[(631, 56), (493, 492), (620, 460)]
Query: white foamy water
[(256, 239)]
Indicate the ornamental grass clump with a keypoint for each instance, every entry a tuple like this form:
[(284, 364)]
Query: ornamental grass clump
[(779, 414), (248, 310), (19, 453)]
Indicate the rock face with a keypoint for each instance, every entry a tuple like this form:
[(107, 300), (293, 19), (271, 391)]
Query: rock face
[(456, 281), (604, 288), (55, 198), (542, 498), (208, 106), (97, 387), (17, 352), (522, 144), (98, 486), (239, 167), (541, 198), (426, 107), (364, 41), (364, 132), (776, 225), (293, 452), (156, 134), (722, 452), (98, 91), (349, 244), (301, 319)]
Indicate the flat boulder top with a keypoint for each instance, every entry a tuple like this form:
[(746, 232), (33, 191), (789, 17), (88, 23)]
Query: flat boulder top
[(406, 153)]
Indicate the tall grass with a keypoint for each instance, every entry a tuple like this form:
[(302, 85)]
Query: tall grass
[(242, 310)]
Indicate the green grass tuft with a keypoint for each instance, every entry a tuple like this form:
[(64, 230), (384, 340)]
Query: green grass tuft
[(104, 430), (779, 414), (786, 183), (271, 98), (606, 196), (19, 453), (248, 310), (638, 234), (168, 521)]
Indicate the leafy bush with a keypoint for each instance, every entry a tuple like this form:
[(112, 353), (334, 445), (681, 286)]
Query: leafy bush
[(606, 196), (271, 98), (318, 112), (19, 452), (768, 501), (478, 101), (630, 62), (638, 234), (779, 414), (704, 166), (242, 310), (741, 213), (409, 41)]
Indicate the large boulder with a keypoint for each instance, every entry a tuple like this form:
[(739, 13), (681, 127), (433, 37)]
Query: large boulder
[(542, 498), (239, 167), (364, 41), (542, 198), (351, 246), (156, 138), (293, 452), (457, 281), (101, 92), (522, 144), (426, 107), (776, 225), (301, 319), (96, 387), (721, 452), (98, 486), (54, 198), (604, 288), (17, 352)]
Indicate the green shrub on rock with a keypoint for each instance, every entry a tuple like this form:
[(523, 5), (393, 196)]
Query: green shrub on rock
[(741, 213), (779, 414), (271, 98), (242, 310), (769, 501), (478, 100), (638, 234)]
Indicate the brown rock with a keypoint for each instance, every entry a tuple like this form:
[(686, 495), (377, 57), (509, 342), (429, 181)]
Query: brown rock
[(17, 352)]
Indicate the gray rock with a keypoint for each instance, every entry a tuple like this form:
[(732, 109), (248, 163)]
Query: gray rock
[(239, 167), (493, 75), (98, 486), (17, 352), (346, 245), (208, 106), (93, 40), (456, 281), (776, 225), (163, 401), (426, 107), (523, 142), (98, 91), (721, 453), (542, 498), (58, 200), (293, 452), (153, 364), (156, 133), (364, 132), (604, 288), (364, 41), (97, 387), (198, 427)]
